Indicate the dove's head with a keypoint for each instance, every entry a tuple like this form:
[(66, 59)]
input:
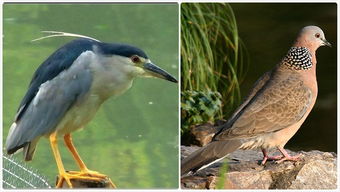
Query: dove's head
[(311, 37)]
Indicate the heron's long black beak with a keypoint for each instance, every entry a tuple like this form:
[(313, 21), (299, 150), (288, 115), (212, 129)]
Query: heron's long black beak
[(325, 42), (155, 71)]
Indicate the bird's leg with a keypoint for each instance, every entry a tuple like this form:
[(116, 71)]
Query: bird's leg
[(76, 156), (84, 171), (266, 157), (287, 157), (61, 169), (63, 175)]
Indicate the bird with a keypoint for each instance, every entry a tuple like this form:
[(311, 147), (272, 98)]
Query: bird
[(273, 111), (66, 91)]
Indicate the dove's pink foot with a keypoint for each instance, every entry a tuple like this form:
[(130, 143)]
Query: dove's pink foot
[(287, 157), (266, 157), (279, 158)]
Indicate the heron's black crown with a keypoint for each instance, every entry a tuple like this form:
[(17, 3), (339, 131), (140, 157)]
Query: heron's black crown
[(121, 49), (107, 48)]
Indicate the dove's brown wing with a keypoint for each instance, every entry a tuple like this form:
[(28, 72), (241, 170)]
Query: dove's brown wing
[(278, 104), (256, 87)]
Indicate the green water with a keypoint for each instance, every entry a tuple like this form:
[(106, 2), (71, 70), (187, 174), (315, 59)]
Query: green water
[(134, 137)]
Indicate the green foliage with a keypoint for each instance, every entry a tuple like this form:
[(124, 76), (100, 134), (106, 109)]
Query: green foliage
[(222, 179), (213, 56), (198, 107)]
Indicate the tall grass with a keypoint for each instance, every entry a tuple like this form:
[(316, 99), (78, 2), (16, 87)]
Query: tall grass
[(212, 54), (222, 182)]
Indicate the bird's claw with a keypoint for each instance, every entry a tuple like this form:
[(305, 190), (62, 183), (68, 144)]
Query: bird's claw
[(68, 176), (98, 175), (82, 175), (278, 157), (88, 173), (289, 158)]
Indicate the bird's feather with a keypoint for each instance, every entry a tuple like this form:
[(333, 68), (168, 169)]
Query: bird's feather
[(275, 106), (258, 85), (121, 49), (58, 62), (207, 154), (50, 104)]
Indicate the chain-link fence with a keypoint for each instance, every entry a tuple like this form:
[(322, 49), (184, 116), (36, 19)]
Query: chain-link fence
[(16, 174)]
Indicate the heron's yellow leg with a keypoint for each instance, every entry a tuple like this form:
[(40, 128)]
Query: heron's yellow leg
[(84, 170), (70, 146), (63, 175), (61, 169)]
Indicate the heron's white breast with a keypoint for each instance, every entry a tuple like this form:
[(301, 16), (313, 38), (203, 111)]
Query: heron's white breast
[(79, 114)]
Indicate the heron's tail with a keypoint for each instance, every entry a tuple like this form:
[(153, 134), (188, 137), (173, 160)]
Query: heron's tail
[(15, 141), (29, 149), (208, 154)]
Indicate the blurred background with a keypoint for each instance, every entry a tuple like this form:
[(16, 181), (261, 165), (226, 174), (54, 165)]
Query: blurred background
[(133, 138), (236, 43)]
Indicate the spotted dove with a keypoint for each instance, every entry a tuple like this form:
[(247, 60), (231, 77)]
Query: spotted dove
[(274, 110)]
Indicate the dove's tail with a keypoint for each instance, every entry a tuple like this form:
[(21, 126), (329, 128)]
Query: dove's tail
[(208, 154)]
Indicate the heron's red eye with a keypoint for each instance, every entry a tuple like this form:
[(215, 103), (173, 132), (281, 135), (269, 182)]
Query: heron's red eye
[(317, 35), (135, 59)]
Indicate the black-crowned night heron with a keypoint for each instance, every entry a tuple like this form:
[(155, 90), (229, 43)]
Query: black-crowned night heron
[(66, 92)]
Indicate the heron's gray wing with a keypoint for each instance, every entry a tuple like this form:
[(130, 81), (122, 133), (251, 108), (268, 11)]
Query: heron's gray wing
[(60, 60), (280, 103), (51, 103)]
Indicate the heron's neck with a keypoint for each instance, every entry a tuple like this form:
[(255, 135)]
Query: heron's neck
[(110, 78)]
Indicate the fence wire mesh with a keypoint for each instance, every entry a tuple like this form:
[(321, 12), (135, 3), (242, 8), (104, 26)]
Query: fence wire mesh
[(16, 174)]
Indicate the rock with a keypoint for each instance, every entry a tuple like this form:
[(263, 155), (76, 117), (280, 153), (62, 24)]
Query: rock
[(323, 171), (202, 134), (316, 170)]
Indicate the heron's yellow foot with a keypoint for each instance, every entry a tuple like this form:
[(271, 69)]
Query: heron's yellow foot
[(99, 175), (88, 173), (92, 174), (66, 176)]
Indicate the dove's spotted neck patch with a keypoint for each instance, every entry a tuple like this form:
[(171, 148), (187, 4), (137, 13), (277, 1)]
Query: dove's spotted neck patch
[(298, 58)]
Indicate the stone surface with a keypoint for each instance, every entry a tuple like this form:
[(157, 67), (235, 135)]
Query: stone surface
[(202, 134), (316, 170)]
